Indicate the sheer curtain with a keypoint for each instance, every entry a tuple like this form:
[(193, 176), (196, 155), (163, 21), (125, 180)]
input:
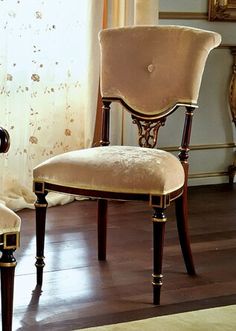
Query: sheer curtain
[(120, 13), (48, 86)]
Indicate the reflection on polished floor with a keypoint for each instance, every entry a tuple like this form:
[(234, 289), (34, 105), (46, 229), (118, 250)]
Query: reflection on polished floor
[(78, 291)]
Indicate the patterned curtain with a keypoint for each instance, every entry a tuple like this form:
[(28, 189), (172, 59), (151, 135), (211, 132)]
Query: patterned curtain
[(48, 85)]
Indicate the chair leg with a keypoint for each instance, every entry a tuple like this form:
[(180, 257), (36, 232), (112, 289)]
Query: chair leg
[(159, 221), (40, 209), (7, 265), (102, 228), (232, 172), (181, 208)]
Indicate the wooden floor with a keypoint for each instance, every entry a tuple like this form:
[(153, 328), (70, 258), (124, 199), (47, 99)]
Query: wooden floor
[(79, 291)]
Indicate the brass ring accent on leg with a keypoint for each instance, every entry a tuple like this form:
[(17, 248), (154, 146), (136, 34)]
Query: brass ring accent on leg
[(159, 220), (157, 280), (39, 262), (7, 264), (40, 205)]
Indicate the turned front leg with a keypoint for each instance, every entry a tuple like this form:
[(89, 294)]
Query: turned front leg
[(102, 228), (40, 209), (7, 266), (159, 221)]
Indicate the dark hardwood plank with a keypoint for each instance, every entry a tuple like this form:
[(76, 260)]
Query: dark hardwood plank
[(79, 291)]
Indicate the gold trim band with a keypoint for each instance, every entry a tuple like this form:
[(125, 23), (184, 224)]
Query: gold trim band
[(159, 220), (7, 264), (40, 205)]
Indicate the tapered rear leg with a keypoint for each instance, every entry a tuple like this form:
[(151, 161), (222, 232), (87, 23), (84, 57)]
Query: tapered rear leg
[(40, 209), (7, 266), (102, 228), (181, 208), (232, 173), (181, 203)]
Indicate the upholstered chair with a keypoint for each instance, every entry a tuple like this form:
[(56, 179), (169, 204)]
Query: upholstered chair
[(9, 241), (151, 71)]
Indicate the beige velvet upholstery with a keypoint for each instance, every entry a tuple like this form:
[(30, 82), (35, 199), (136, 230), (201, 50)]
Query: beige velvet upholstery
[(154, 81), (9, 221), (151, 68), (114, 169)]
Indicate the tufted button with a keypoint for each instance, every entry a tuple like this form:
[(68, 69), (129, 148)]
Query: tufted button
[(150, 67)]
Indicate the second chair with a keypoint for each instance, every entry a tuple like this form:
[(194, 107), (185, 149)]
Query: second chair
[(9, 241)]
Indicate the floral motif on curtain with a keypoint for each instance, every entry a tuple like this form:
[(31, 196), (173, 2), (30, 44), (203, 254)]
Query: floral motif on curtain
[(44, 86)]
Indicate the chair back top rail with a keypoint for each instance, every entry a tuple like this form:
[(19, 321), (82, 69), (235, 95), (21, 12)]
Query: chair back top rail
[(153, 69)]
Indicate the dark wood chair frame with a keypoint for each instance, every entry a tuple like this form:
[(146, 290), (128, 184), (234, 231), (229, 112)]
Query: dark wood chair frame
[(8, 244), (148, 127), (232, 104)]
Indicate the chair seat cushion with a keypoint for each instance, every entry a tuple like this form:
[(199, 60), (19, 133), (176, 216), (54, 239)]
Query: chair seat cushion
[(9, 221), (122, 169)]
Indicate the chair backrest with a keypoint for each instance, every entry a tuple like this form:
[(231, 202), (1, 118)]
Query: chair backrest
[(151, 69)]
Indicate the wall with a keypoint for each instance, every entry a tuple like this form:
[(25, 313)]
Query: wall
[(213, 135)]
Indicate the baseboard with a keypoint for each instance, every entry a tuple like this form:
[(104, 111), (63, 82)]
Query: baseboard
[(208, 180)]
